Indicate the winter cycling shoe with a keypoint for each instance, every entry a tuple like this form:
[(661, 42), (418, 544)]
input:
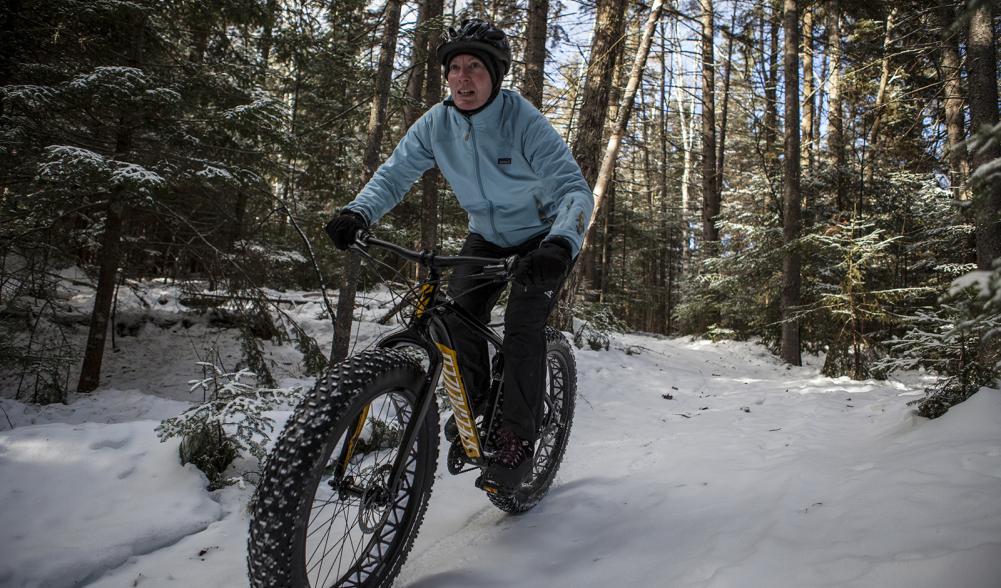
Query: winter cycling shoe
[(510, 465)]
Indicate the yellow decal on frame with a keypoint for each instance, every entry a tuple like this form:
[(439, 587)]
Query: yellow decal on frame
[(459, 400)]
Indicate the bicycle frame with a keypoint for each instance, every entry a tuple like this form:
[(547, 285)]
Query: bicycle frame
[(429, 331)]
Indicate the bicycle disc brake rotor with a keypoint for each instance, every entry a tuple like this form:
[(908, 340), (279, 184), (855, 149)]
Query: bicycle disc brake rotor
[(375, 500)]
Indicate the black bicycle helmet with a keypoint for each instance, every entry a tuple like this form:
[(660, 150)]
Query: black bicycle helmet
[(477, 37)]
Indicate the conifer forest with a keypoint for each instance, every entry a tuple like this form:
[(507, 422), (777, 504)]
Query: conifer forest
[(820, 176)]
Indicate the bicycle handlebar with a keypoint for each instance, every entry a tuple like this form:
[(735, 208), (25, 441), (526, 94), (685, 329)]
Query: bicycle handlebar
[(500, 267)]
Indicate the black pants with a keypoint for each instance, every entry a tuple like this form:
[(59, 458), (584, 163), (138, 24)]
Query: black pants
[(524, 336)]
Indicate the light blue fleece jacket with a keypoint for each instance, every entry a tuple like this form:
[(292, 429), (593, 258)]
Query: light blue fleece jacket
[(509, 169)]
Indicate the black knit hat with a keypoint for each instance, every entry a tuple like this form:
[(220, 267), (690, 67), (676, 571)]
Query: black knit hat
[(482, 40)]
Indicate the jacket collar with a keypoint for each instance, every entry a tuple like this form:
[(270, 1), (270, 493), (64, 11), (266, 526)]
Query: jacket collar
[(489, 117)]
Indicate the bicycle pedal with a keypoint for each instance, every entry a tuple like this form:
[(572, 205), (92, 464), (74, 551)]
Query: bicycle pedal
[(451, 429), (456, 458), (486, 486)]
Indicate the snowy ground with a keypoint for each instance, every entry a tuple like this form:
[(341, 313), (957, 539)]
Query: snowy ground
[(750, 474)]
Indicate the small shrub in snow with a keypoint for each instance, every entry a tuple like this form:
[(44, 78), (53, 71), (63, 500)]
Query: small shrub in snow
[(960, 339), (231, 420), (596, 327)]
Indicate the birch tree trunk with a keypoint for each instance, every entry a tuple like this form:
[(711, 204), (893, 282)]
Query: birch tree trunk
[(686, 115), (982, 64), (808, 88), (791, 261), (376, 125)]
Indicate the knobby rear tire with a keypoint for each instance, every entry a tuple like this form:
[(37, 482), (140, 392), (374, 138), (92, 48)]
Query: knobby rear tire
[(298, 480), (561, 396)]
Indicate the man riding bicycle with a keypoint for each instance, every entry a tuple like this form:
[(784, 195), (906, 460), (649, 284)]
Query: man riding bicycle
[(524, 194)]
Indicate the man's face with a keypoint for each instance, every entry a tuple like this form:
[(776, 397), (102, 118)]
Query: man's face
[(469, 81)]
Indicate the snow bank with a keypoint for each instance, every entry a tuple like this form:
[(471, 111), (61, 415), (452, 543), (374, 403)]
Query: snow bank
[(81, 499)]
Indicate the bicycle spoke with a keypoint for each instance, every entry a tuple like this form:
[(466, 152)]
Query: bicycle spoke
[(350, 535)]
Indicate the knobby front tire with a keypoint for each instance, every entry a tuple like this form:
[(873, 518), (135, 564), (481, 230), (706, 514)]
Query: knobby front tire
[(558, 409), (324, 515)]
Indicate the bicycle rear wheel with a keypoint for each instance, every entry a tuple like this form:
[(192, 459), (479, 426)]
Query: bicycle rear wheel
[(324, 515), (558, 408)]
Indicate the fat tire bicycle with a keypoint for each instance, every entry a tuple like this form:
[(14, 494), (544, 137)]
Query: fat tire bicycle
[(346, 487)]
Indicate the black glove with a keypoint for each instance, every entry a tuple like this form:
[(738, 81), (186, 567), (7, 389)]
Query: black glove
[(546, 266), (343, 229)]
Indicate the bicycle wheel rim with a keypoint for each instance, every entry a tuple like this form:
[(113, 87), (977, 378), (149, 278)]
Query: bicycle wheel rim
[(349, 537)]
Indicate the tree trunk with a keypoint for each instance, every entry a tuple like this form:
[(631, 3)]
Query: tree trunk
[(687, 127), (771, 94), (625, 110), (611, 151), (808, 89), (604, 265), (267, 37), (836, 136), (952, 103), (710, 197), (429, 182), (266, 44), (414, 105), (665, 258), (605, 47), (111, 241), (609, 27), (376, 125), (872, 143), (721, 148), (535, 51), (982, 63), (818, 113), (791, 190)]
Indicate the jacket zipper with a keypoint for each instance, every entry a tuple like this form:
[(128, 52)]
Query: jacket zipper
[(479, 182)]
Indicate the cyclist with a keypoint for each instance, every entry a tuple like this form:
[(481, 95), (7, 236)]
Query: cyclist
[(524, 194)]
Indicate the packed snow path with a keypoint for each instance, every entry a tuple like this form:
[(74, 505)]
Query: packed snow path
[(691, 464)]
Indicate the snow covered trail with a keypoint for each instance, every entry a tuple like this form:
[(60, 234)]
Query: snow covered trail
[(750, 474)]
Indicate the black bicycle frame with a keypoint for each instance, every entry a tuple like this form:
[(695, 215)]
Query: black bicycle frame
[(429, 328)]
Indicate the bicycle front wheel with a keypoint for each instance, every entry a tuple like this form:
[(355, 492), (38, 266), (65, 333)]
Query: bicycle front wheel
[(325, 514)]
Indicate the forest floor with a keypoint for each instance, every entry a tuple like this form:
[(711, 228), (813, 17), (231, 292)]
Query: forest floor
[(691, 464)]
